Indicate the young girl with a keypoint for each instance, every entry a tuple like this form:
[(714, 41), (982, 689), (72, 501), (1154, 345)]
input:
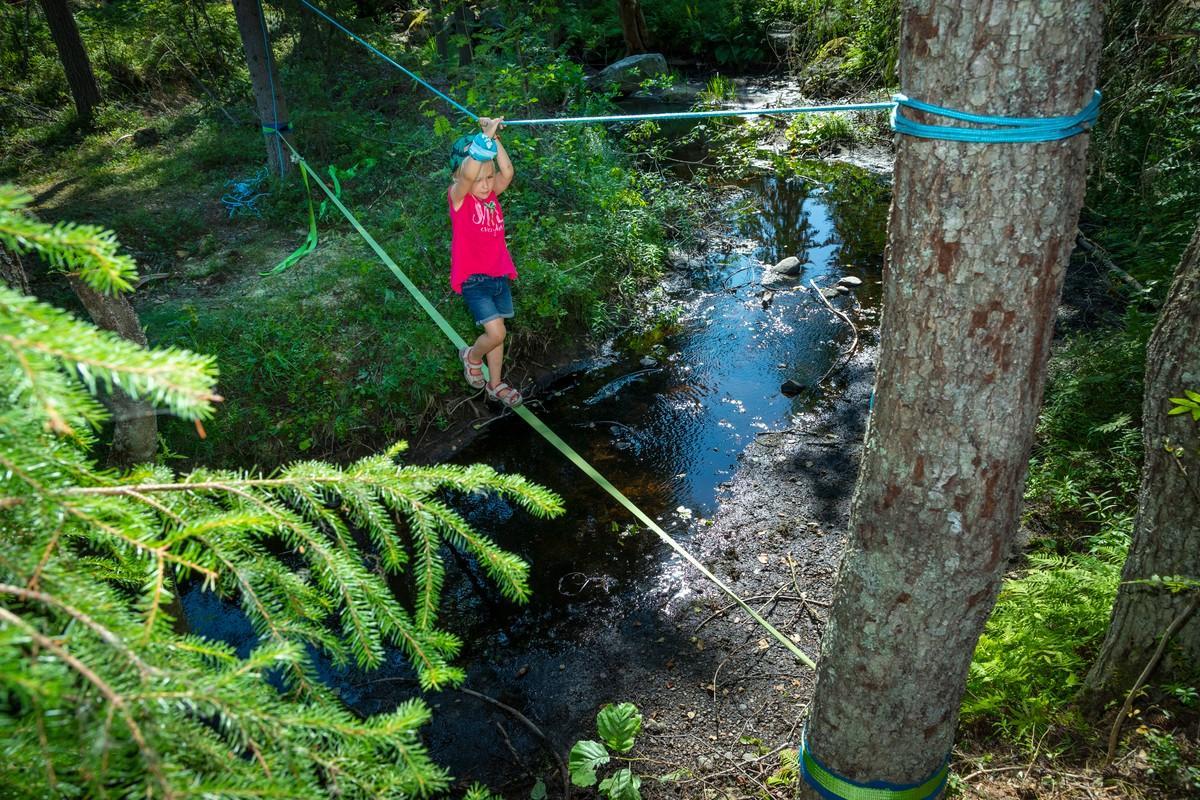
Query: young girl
[(480, 265)]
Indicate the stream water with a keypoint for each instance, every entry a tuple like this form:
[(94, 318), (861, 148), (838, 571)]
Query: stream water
[(668, 431)]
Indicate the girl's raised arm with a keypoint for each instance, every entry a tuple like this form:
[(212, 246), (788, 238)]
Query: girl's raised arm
[(504, 165)]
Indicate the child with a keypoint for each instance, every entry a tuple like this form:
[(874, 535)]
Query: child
[(480, 265)]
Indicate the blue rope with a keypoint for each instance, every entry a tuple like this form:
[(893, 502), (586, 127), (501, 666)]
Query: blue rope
[(1006, 129), (274, 125), (748, 112), (386, 58), (242, 195)]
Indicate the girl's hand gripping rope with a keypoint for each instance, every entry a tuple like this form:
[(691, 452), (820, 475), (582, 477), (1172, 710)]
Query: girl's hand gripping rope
[(483, 146)]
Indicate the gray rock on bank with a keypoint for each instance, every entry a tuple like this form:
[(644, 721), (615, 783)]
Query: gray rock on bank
[(629, 72)]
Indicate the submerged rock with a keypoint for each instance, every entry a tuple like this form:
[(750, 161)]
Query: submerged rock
[(791, 388)]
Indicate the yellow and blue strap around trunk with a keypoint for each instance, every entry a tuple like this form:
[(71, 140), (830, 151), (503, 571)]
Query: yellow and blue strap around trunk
[(831, 786)]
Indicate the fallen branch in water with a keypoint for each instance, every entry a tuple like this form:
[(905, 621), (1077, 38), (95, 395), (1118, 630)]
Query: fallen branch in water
[(854, 330)]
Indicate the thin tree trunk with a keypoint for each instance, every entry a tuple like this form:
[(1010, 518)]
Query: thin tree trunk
[(84, 89), (135, 424), (437, 11), (633, 27), (978, 239), (12, 271), (268, 99), (462, 28), (1166, 534)]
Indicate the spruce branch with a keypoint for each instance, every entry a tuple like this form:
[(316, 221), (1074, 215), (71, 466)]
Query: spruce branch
[(105, 634), (86, 250), (116, 700), (175, 379)]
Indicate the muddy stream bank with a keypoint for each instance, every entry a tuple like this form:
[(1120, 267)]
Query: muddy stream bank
[(695, 430)]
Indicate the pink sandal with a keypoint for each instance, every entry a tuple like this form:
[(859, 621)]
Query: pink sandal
[(503, 393), (472, 370)]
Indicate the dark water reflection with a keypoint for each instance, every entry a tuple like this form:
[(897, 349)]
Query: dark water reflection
[(668, 434)]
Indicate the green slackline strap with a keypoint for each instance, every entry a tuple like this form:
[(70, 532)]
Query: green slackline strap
[(310, 241), (541, 427), (832, 786)]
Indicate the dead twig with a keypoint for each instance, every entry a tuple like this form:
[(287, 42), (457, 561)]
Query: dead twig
[(990, 770), (800, 598), (524, 720), (1092, 249), (1175, 625)]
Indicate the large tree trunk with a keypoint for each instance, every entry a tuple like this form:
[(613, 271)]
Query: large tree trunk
[(1166, 534), (268, 99), (135, 424), (633, 27), (978, 239), (80, 78)]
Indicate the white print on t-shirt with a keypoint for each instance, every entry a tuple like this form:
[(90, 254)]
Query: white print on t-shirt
[(487, 216)]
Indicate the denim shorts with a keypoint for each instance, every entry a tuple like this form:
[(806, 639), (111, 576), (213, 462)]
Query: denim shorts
[(488, 298)]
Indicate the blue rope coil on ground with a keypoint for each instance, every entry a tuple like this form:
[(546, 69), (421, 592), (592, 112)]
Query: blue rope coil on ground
[(242, 195)]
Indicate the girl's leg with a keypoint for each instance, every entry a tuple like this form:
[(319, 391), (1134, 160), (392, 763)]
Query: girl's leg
[(490, 345)]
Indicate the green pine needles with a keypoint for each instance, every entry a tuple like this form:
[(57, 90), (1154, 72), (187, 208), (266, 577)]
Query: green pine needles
[(103, 693)]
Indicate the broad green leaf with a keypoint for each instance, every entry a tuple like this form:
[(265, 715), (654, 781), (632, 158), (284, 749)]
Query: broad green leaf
[(622, 785), (1186, 405), (585, 756), (618, 725), (539, 790)]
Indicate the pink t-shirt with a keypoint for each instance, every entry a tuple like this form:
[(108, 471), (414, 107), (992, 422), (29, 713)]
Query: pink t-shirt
[(477, 241)]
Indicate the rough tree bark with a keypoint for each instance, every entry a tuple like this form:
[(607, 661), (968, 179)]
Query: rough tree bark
[(978, 238), (633, 27), (135, 424), (84, 89), (272, 108), (1166, 533), (12, 271)]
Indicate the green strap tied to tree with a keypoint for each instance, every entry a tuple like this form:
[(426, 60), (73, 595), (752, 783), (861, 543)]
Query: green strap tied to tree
[(539, 426), (310, 241)]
